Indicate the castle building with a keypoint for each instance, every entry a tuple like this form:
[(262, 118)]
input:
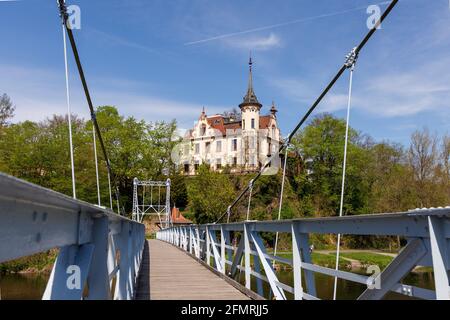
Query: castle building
[(243, 141)]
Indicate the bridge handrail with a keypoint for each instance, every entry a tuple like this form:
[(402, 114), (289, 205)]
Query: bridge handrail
[(427, 232), (100, 251)]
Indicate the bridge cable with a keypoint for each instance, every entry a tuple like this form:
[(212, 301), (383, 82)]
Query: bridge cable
[(65, 18), (280, 202), (96, 166), (249, 199), (110, 193), (315, 104), (351, 61), (69, 114)]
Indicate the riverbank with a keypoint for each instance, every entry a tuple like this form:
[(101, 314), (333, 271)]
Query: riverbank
[(37, 263)]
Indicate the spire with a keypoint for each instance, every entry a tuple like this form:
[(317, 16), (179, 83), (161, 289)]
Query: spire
[(203, 114), (273, 110), (250, 98)]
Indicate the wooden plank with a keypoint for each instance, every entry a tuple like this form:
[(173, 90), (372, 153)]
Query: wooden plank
[(176, 276)]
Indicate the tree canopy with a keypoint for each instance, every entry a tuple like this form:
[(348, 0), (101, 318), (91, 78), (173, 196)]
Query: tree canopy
[(381, 176)]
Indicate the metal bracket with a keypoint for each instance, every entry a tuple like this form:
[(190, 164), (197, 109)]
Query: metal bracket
[(351, 58)]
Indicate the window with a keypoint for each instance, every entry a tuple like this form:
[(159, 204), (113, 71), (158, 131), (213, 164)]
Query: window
[(197, 148), (234, 145), (186, 149), (269, 150), (186, 168), (243, 124), (234, 161), (203, 130), (218, 146), (273, 132), (218, 164), (253, 123), (196, 165), (207, 146)]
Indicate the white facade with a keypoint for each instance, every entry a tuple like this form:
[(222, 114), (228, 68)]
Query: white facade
[(243, 141)]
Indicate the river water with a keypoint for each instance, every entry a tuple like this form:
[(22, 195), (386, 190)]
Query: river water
[(32, 286)]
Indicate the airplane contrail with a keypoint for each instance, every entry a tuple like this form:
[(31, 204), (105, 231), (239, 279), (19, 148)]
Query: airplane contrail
[(277, 25)]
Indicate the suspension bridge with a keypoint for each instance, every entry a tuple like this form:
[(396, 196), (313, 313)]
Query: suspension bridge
[(104, 255)]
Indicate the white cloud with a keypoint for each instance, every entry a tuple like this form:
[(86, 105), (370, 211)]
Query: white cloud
[(424, 88), (254, 43)]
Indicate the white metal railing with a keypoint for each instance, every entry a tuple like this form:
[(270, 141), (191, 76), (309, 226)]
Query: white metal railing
[(100, 252), (427, 232)]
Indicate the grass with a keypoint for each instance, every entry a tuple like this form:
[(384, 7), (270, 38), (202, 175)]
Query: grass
[(367, 258), (320, 259)]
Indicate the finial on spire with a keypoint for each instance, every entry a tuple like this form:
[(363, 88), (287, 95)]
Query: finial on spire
[(203, 114), (273, 110)]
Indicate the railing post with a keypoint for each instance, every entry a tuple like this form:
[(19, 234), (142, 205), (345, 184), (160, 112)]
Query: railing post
[(186, 239), (124, 263), (222, 249), (439, 254), (198, 253), (306, 257), (247, 249), (208, 245), (296, 262), (71, 259), (112, 263), (259, 284), (99, 277), (191, 238)]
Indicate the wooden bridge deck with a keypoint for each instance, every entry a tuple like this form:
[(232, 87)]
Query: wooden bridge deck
[(167, 273)]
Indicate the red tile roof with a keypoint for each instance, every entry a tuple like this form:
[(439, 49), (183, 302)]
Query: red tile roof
[(177, 217), (218, 122)]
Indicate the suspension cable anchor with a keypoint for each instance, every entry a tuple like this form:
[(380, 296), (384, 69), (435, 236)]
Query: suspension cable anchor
[(351, 58)]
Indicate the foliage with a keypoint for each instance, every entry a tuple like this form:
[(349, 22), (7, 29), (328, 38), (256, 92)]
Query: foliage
[(39, 262), (6, 109), (39, 152), (381, 176), (178, 190), (209, 194)]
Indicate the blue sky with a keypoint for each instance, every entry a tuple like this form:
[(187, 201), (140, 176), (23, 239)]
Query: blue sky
[(151, 60)]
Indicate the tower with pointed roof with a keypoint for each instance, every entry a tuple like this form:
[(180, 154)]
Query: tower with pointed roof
[(242, 142), (250, 113)]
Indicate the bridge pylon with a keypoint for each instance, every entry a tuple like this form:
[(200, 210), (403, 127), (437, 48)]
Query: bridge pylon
[(146, 202)]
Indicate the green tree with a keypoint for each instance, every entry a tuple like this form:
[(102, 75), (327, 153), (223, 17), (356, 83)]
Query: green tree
[(321, 148), (210, 193), (178, 190), (6, 109)]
